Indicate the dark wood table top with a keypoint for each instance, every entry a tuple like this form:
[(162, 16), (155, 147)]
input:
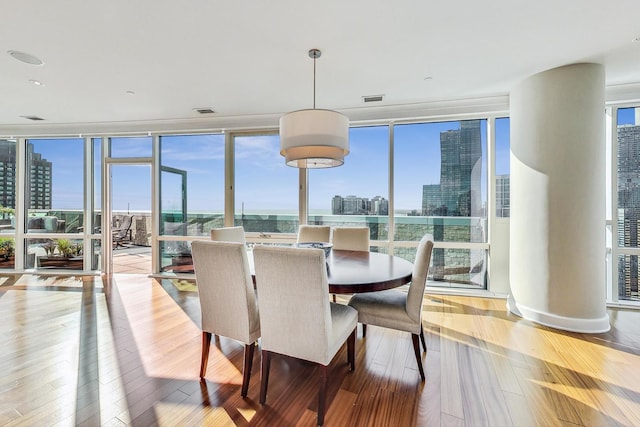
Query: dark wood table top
[(352, 272)]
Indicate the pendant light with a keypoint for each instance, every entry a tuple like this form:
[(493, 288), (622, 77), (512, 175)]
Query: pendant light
[(314, 138)]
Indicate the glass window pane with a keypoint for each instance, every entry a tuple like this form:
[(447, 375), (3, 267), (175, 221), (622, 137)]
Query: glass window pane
[(7, 252), (266, 189), (175, 256), (628, 177), (440, 189), (628, 272), (50, 254), (131, 146), (8, 173), (96, 225), (191, 184), (628, 209), (440, 181), (356, 193), (54, 186), (503, 169)]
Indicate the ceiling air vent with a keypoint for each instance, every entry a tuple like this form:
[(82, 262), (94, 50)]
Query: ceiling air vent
[(34, 118), (204, 110), (372, 98)]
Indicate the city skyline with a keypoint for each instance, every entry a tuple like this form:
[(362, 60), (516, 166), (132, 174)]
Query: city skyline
[(258, 161)]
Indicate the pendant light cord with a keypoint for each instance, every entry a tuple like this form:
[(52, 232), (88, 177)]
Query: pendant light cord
[(314, 82)]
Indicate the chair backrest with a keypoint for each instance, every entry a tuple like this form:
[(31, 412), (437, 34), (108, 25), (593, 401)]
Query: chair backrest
[(314, 233), (419, 277), (351, 238), (293, 296), (229, 234), (225, 289), (124, 227)]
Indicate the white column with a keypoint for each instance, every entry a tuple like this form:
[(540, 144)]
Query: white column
[(557, 236)]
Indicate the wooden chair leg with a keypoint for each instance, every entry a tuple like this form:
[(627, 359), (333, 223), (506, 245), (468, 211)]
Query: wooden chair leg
[(322, 394), (264, 375), (424, 345), (351, 349), (364, 330), (334, 297), (416, 350), (246, 369), (206, 343)]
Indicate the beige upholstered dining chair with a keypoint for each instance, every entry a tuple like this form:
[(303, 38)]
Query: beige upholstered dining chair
[(228, 234), (351, 238), (227, 299), (296, 316), (396, 309), (314, 233)]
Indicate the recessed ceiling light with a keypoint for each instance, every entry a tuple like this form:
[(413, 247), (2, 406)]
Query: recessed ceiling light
[(428, 78), (27, 58), (636, 39), (130, 92), (36, 82)]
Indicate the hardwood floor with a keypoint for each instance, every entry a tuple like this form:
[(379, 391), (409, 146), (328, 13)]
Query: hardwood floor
[(87, 351)]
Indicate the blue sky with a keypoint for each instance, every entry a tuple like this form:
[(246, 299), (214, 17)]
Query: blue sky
[(263, 181)]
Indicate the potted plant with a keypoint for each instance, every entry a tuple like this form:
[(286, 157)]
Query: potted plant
[(50, 247), (65, 247), (7, 247)]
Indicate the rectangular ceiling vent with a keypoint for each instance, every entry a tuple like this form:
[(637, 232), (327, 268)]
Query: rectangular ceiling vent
[(34, 118), (372, 98), (204, 110)]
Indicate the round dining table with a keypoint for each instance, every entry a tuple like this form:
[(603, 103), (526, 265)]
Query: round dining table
[(351, 272)]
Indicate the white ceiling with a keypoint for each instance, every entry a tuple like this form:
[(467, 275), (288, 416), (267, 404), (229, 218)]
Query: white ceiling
[(249, 57)]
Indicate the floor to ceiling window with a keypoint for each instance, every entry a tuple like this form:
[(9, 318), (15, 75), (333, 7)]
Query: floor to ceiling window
[(356, 193), (440, 188), (628, 202), (8, 182), (191, 194), (54, 199)]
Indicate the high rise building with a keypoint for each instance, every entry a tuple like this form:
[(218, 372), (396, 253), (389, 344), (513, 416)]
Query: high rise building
[(336, 205), (460, 173), (38, 192), (628, 208), (8, 174), (379, 206), (503, 203), (354, 205), (431, 200)]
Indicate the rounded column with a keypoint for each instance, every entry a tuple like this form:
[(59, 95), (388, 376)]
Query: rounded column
[(557, 235)]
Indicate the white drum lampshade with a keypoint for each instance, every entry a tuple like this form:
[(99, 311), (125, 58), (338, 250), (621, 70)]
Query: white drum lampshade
[(314, 138)]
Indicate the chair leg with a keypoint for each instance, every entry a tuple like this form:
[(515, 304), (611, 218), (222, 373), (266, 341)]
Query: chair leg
[(264, 375), (322, 393), (364, 330), (246, 369), (416, 350), (351, 349), (206, 343), (424, 345), (334, 297)]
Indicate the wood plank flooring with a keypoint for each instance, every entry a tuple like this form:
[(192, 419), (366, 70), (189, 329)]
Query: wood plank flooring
[(90, 351)]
